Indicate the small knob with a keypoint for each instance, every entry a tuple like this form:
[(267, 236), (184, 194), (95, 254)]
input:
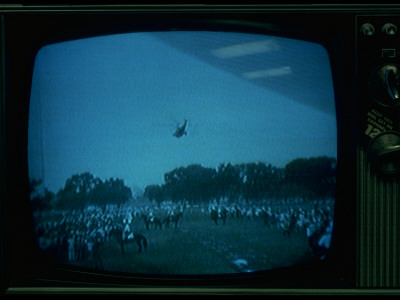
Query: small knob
[(367, 29), (389, 29), (384, 152)]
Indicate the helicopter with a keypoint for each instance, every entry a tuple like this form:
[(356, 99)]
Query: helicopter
[(181, 130)]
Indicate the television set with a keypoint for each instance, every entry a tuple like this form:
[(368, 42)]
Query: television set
[(200, 149)]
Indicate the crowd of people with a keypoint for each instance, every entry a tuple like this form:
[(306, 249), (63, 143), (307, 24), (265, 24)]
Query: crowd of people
[(71, 235)]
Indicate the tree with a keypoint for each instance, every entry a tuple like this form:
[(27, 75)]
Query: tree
[(260, 180), (312, 177), (228, 181), (193, 183), (77, 191), (84, 189), (41, 198), (112, 191), (154, 193)]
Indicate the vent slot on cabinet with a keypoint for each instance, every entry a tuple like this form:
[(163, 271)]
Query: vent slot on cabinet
[(379, 227)]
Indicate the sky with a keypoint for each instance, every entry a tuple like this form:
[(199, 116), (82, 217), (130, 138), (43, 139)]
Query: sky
[(109, 105)]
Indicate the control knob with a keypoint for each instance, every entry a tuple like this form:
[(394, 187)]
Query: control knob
[(367, 29), (389, 29), (384, 85), (384, 152)]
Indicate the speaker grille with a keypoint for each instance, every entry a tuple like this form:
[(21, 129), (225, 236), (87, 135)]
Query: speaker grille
[(378, 227)]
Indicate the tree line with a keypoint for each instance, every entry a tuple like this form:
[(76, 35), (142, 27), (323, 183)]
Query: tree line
[(308, 178), (81, 190)]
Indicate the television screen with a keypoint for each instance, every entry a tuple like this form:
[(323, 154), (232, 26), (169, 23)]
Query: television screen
[(183, 152)]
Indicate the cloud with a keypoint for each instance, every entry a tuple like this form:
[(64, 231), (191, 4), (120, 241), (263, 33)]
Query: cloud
[(268, 73), (243, 49)]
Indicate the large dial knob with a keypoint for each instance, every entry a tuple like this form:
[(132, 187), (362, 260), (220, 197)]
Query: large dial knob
[(384, 85), (384, 152)]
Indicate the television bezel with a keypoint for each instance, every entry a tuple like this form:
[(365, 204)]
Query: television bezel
[(25, 29)]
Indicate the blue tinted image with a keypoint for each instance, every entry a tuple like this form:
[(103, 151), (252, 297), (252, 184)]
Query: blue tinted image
[(206, 142)]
